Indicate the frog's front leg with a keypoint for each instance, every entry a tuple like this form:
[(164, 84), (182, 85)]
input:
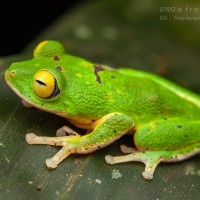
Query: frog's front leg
[(106, 130)]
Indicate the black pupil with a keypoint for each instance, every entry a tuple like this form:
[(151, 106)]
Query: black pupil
[(40, 82)]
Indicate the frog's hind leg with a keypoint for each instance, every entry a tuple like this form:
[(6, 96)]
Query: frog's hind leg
[(159, 141), (145, 157), (152, 158)]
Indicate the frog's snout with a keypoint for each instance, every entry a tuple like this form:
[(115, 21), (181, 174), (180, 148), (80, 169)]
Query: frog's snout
[(9, 75)]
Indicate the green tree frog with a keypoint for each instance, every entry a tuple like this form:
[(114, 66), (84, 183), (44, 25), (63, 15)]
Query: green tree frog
[(162, 118)]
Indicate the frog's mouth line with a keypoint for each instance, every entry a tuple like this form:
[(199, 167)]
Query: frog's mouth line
[(26, 102)]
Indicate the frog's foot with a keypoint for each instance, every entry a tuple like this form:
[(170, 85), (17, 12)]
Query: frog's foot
[(65, 130), (108, 129), (63, 141), (150, 159)]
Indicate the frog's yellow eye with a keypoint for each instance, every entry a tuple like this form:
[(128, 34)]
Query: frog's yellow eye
[(45, 85)]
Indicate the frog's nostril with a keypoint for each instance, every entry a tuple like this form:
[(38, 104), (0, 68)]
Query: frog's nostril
[(12, 73)]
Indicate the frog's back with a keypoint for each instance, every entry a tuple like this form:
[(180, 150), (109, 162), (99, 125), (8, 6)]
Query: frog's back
[(178, 90), (148, 94)]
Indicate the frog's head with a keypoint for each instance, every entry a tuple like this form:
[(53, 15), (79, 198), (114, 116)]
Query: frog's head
[(41, 81)]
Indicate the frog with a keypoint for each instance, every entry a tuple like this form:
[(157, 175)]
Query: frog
[(161, 117)]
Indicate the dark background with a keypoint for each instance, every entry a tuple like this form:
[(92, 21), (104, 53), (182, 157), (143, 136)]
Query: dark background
[(21, 21)]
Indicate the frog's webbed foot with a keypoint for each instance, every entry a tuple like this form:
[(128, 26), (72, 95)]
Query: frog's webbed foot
[(150, 159), (108, 129)]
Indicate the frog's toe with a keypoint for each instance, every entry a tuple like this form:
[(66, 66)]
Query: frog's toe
[(66, 131), (109, 159), (60, 133), (30, 138), (51, 164), (126, 149), (147, 175)]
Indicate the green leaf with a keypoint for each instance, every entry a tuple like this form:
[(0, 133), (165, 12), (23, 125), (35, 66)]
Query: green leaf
[(107, 32)]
